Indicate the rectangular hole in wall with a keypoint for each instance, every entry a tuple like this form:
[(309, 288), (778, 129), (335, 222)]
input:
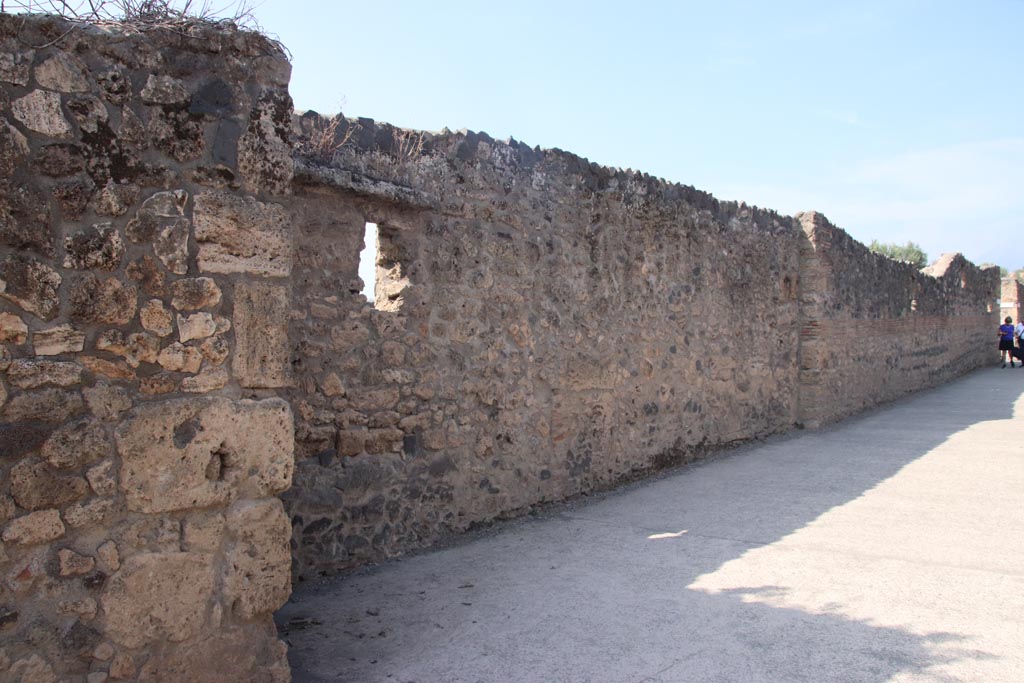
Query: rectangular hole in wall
[(382, 268), (368, 261)]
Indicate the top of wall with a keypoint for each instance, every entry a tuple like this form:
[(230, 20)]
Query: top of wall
[(142, 45), (823, 233), (432, 169), (419, 168)]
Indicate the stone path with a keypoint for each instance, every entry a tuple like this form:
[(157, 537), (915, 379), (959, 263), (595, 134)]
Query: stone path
[(886, 548)]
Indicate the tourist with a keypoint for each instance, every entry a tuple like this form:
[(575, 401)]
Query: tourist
[(1018, 333), (1006, 331)]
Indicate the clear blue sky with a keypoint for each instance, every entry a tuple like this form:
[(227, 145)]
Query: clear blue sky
[(899, 120)]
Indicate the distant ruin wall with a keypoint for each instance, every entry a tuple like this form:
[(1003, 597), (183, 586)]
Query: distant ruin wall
[(1011, 299), (549, 327), (140, 457), (874, 329)]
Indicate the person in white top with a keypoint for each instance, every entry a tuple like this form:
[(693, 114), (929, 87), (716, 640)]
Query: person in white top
[(1018, 334)]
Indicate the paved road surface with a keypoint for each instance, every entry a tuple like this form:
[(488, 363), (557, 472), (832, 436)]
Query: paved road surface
[(889, 548)]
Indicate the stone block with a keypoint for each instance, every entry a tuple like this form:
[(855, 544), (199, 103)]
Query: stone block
[(58, 340), (108, 559), (376, 399), (107, 301), (40, 111), (241, 235), (7, 511), (384, 440), (160, 221), (114, 199), (156, 318), (76, 444), (92, 512), (31, 284), (73, 564), (73, 197), (84, 608), (18, 440), (122, 667), (25, 219), (192, 294), (249, 653), (31, 373), (351, 442), (33, 669), (60, 160), (13, 329), (262, 353), (62, 72), (157, 596), (195, 326), (135, 348), (103, 652), (36, 486), (107, 368), (106, 401), (15, 67), (332, 385), (34, 528), (103, 478), (192, 453), (392, 354), (164, 90), (90, 113), (158, 384), (99, 247), (349, 335), (13, 148), (171, 246), (264, 152), (148, 274), (177, 134), (208, 380), (44, 405), (257, 558), (180, 358), (215, 350)]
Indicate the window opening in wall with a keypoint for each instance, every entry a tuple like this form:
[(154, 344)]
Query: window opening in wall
[(382, 268), (368, 261)]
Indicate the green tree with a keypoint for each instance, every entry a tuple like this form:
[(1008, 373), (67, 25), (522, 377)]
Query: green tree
[(909, 252)]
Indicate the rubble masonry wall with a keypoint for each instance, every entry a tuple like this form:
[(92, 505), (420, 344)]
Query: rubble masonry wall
[(546, 327)]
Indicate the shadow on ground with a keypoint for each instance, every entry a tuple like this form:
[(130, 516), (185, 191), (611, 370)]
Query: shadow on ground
[(767, 564)]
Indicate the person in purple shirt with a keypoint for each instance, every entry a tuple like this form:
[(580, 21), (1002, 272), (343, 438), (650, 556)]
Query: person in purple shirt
[(1006, 341)]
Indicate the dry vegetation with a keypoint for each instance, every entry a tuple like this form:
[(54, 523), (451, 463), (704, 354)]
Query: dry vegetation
[(139, 12), (324, 141)]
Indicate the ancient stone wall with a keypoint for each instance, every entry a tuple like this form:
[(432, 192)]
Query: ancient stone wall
[(141, 246), (181, 318), (544, 327), (874, 329)]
